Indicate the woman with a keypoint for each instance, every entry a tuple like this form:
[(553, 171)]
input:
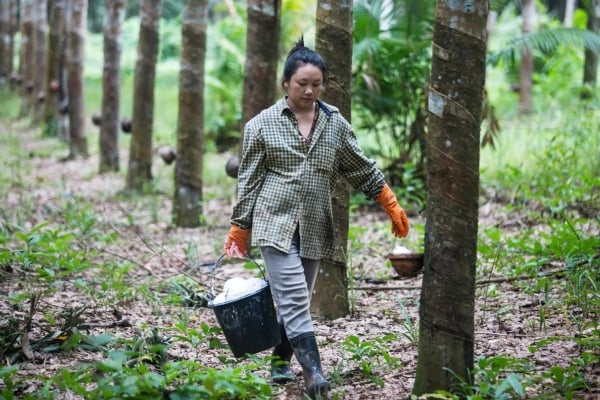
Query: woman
[(293, 153)]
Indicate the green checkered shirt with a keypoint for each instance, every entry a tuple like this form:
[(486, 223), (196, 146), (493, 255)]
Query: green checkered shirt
[(284, 182)]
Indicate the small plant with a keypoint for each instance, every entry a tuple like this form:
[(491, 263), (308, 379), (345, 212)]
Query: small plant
[(367, 356), (498, 377), (117, 377), (411, 329), (7, 377), (195, 337)]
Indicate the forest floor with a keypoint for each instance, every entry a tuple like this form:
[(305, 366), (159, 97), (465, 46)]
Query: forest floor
[(510, 316)]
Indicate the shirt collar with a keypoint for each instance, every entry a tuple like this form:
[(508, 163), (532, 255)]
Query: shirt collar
[(282, 105)]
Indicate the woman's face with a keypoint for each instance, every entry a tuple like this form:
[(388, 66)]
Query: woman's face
[(304, 87)]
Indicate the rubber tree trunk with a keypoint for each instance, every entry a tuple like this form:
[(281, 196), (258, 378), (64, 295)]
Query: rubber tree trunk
[(447, 304), (54, 60), (13, 25), (26, 50), (111, 86), (78, 146), (5, 48), (334, 43), (140, 149), (187, 203), (39, 62), (590, 67), (526, 67), (260, 69)]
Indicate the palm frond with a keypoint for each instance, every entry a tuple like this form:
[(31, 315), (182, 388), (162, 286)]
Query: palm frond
[(499, 5), (546, 41)]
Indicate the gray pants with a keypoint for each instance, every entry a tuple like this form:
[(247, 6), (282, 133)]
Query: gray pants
[(292, 279)]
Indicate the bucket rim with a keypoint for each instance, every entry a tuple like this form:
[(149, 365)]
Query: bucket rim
[(212, 295), (211, 303)]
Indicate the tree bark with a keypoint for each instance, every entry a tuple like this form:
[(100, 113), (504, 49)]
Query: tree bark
[(39, 62), (10, 46), (262, 44), (187, 204), (140, 149), (334, 43), (26, 56), (111, 85), (590, 67), (526, 67), (5, 56), (54, 58), (446, 314), (78, 145)]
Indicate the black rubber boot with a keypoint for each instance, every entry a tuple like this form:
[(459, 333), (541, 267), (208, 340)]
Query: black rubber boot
[(307, 353), (281, 373)]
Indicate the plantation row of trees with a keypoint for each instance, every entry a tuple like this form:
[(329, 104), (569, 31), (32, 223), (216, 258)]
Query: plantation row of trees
[(380, 55)]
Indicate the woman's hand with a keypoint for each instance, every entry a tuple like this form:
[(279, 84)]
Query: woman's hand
[(235, 244), (400, 224)]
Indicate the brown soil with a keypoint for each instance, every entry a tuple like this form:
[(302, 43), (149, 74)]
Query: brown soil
[(508, 317)]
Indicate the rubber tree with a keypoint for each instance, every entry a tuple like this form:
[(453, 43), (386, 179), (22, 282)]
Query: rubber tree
[(6, 46), (139, 172), (187, 203), (26, 51), (590, 68), (528, 14), (263, 32), (10, 47), (447, 303), (54, 66), (111, 85), (260, 68), (334, 42), (78, 145), (40, 35)]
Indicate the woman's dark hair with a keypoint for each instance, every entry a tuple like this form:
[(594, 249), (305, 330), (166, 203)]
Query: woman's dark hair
[(301, 55)]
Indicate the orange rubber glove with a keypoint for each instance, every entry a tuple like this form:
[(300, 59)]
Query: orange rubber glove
[(235, 245), (387, 199)]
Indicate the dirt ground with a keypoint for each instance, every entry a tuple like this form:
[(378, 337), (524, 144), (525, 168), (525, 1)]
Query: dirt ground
[(507, 323)]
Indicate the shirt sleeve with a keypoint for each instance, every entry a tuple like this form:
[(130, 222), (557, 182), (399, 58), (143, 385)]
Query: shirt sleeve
[(250, 176), (359, 170)]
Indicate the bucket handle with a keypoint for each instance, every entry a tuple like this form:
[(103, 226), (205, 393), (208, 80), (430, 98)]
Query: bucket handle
[(214, 266)]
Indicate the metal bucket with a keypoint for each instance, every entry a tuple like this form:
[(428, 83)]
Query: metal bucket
[(249, 322)]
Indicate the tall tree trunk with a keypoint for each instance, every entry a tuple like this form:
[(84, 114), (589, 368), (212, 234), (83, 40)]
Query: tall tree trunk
[(446, 315), (39, 63), (262, 44), (4, 36), (26, 56), (590, 68), (526, 67), (334, 43), (187, 204), (140, 149), (54, 66), (111, 85), (13, 25), (78, 145), (64, 130)]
